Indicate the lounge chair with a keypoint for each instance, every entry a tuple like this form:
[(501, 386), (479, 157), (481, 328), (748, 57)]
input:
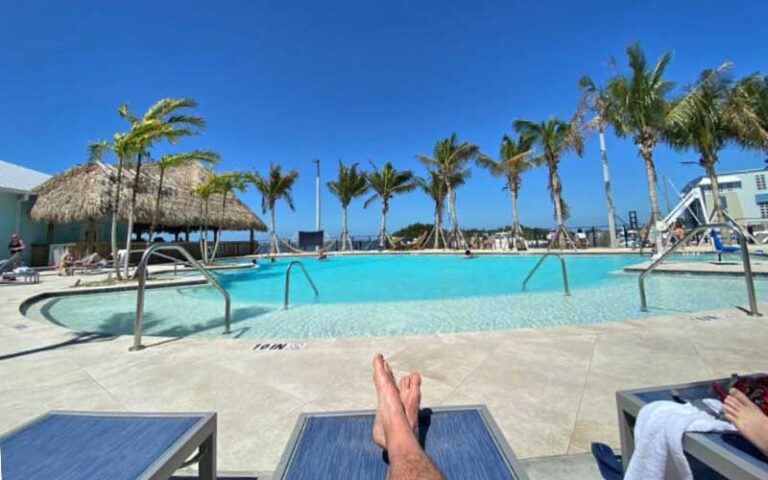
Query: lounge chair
[(91, 263), (7, 267), (711, 455), (114, 446), (719, 247), (464, 442)]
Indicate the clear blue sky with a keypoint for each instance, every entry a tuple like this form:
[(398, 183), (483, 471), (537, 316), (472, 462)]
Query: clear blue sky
[(291, 81)]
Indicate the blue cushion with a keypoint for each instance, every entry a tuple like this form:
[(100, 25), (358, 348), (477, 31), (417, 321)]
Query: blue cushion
[(340, 447), (68, 446)]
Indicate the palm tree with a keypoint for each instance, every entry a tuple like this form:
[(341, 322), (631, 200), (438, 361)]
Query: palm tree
[(123, 151), (556, 138), (640, 109), (434, 187), (161, 121), (709, 116), (449, 159), (512, 163), (225, 184), (205, 191), (386, 183), (176, 160), (600, 103), (349, 185), (272, 188)]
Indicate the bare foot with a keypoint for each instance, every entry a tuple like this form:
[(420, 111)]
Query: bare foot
[(410, 395), (748, 419), (390, 414)]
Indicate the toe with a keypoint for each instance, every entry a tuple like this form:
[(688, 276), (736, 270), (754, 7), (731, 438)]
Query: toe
[(415, 379), (405, 384), (739, 396)]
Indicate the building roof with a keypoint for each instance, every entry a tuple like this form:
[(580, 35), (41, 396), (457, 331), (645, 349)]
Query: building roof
[(17, 179)]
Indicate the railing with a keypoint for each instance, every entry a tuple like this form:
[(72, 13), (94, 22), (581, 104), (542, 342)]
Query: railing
[(562, 267), (142, 274), (288, 281), (744, 258)]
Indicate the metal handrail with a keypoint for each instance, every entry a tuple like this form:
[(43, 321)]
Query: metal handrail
[(142, 274), (288, 281), (744, 258), (562, 267)]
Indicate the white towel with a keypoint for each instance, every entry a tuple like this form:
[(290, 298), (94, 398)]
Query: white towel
[(659, 434)]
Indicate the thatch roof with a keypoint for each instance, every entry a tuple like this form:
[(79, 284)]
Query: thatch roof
[(85, 192)]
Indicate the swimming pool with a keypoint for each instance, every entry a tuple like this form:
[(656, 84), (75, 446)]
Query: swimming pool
[(370, 295)]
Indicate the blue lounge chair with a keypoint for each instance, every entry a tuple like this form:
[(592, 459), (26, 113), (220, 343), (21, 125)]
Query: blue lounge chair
[(114, 446), (711, 455), (719, 247), (463, 442)]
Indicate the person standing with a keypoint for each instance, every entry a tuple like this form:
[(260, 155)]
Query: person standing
[(16, 245)]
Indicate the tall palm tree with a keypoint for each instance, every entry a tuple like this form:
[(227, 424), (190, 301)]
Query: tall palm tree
[(225, 184), (640, 105), (555, 137), (386, 183), (160, 122), (349, 185), (274, 187), (449, 159), (176, 160), (434, 187), (204, 191), (599, 102), (709, 116), (123, 150), (512, 163)]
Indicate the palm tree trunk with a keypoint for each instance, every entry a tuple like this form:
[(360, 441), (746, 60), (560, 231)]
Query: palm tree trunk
[(646, 152), (717, 211), (554, 186), (131, 210), (383, 228), (273, 246), (516, 230), (456, 234), (221, 226), (344, 231), (438, 224), (204, 234), (607, 186), (115, 210), (156, 213)]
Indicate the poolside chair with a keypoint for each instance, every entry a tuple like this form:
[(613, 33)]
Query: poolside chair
[(7, 267), (339, 445), (114, 446), (719, 247), (711, 455), (92, 263)]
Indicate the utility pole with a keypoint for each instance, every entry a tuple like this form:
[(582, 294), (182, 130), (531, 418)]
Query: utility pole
[(317, 195)]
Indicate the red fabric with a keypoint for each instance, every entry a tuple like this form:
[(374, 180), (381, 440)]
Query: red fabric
[(755, 388)]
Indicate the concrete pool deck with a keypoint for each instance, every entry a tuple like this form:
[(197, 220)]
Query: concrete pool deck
[(551, 390)]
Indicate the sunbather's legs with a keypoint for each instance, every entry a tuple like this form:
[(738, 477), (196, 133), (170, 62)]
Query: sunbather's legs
[(748, 419), (407, 460)]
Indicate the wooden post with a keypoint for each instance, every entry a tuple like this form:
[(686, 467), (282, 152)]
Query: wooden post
[(252, 243), (186, 234)]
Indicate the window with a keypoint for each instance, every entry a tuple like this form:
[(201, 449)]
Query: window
[(763, 210), (760, 180), (723, 202)]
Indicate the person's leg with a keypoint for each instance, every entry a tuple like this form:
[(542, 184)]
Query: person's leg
[(748, 419), (407, 460), (410, 395)]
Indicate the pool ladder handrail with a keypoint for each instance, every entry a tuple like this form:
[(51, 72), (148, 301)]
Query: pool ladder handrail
[(562, 268), (288, 281), (141, 271), (749, 277)]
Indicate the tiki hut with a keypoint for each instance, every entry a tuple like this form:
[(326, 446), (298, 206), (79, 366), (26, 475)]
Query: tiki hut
[(85, 193)]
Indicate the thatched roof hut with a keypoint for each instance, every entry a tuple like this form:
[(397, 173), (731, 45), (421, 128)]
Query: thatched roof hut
[(85, 193)]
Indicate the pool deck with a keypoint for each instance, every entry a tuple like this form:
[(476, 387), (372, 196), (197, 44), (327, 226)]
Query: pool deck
[(551, 390), (759, 268)]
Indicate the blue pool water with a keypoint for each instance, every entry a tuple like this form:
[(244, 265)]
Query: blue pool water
[(364, 295)]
